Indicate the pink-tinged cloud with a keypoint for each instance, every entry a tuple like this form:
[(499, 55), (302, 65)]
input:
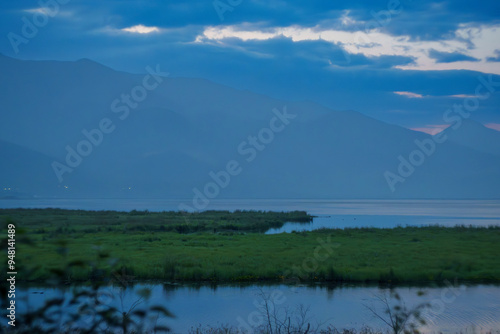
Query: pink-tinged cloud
[(462, 96), (494, 126), (432, 129), (410, 95)]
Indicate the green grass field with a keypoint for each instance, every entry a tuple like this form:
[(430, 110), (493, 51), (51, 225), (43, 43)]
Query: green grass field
[(227, 247)]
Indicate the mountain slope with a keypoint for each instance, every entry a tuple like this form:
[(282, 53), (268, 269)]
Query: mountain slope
[(167, 144), (474, 135)]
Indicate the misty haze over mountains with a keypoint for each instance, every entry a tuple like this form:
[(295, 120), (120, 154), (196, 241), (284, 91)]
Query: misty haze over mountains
[(185, 131)]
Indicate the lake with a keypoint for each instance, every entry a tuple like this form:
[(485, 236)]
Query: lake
[(451, 310), (464, 307), (329, 213)]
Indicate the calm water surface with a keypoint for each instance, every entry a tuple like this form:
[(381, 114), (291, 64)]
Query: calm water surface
[(330, 213), (452, 310)]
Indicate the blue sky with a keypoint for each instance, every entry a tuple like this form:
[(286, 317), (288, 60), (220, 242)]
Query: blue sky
[(404, 62)]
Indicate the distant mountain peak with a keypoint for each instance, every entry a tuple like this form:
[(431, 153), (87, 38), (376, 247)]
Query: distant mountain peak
[(470, 124), (471, 133)]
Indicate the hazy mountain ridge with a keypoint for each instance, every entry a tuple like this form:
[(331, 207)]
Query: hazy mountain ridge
[(186, 128), (474, 135)]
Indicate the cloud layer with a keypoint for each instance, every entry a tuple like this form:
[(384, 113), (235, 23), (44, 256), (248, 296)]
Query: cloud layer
[(400, 61), (470, 48)]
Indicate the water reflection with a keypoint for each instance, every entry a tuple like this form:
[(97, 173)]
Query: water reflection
[(453, 310), (381, 221)]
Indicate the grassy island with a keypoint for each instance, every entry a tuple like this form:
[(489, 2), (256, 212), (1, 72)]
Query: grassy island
[(223, 246)]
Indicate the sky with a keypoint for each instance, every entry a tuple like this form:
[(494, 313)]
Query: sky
[(401, 61)]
